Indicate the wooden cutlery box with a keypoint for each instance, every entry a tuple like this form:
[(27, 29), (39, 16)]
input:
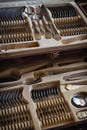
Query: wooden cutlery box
[(43, 66)]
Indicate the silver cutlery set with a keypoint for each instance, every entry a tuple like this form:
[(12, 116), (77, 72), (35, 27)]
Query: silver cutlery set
[(68, 21), (43, 66), (13, 28), (52, 108), (14, 113), (23, 28)]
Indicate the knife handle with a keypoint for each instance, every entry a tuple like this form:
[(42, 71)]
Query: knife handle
[(36, 32), (54, 32), (48, 34)]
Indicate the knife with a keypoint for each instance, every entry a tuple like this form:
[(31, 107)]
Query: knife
[(50, 23)]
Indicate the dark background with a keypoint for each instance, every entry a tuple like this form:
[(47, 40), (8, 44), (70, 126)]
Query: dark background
[(81, 1), (43, 0)]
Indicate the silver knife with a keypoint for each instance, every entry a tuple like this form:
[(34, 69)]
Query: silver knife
[(50, 23)]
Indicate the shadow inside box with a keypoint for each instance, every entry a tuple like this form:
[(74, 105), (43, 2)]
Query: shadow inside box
[(75, 126)]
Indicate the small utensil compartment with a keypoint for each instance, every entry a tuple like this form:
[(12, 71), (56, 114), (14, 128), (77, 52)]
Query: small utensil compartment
[(51, 108), (14, 111), (13, 27), (68, 20)]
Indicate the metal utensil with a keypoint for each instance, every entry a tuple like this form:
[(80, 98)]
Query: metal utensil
[(76, 76), (31, 13), (50, 23), (38, 18), (48, 33)]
